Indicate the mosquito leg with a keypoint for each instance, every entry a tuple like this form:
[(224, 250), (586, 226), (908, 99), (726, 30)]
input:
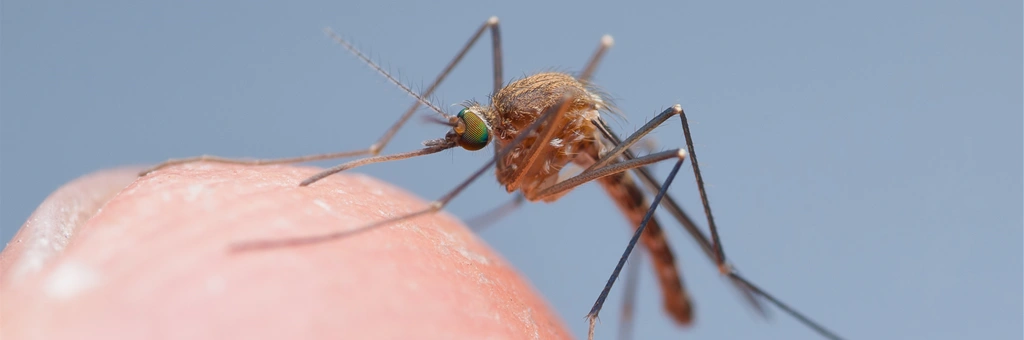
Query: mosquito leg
[(719, 253), (676, 211), (602, 167), (719, 258), (592, 174), (491, 23), (595, 59), (215, 159), (549, 115), (668, 203), (437, 146), (724, 267), (623, 146), (484, 220), (789, 310), (592, 316), (496, 53), (629, 297)]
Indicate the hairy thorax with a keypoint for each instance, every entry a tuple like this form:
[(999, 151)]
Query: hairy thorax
[(521, 103)]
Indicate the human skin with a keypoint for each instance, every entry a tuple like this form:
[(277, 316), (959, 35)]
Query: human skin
[(151, 257)]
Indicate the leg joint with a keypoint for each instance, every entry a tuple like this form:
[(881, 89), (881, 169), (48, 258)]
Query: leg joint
[(681, 153)]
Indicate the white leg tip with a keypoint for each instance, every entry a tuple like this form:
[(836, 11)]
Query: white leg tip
[(492, 20), (607, 40)]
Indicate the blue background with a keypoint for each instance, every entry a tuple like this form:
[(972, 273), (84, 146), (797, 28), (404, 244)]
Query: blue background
[(864, 159)]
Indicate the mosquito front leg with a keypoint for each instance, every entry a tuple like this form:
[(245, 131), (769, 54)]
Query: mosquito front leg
[(549, 115), (491, 23), (629, 297), (435, 147), (595, 59), (375, 148), (215, 159)]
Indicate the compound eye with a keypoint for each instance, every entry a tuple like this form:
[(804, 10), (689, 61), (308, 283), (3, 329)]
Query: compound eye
[(474, 135)]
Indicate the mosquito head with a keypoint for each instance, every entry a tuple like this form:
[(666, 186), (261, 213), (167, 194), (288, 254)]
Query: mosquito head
[(469, 129)]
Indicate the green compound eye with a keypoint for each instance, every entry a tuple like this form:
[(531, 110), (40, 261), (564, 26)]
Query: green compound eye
[(475, 134)]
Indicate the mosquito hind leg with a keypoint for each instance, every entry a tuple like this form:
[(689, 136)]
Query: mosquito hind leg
[(593, 314), (711, 247), (674, 208)]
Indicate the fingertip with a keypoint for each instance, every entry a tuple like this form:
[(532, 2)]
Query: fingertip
[(50, 227), (167, 236)]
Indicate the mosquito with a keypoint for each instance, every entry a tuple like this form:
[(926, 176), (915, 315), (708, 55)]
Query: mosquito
[(539, 125)]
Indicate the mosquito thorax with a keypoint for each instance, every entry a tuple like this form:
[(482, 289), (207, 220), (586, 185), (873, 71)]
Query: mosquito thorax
[(471, 131)]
